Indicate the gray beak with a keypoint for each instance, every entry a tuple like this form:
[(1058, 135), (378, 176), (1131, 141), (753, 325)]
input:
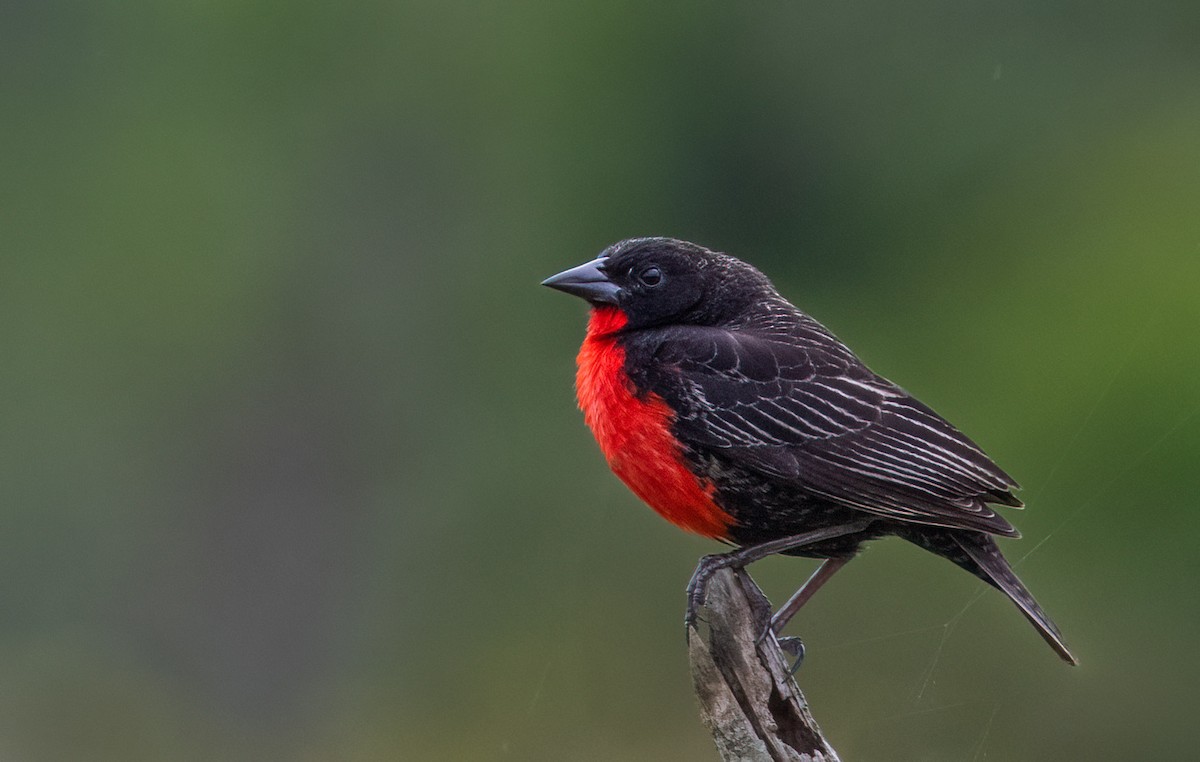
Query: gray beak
[(587, 281)]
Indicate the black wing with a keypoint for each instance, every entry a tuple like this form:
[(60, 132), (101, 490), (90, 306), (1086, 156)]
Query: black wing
[(805, 408)]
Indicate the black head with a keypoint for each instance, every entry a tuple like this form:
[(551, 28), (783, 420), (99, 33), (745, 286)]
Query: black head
[(665, 281)]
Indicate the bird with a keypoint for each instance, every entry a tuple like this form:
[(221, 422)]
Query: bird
[(738, 417)]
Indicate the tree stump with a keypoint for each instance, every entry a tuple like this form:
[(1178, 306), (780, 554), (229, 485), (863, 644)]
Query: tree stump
[(748, 698)]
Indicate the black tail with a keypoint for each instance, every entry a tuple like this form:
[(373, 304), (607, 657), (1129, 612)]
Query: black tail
[(994, 569)]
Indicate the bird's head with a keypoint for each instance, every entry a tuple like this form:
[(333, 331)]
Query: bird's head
[(665, 281)]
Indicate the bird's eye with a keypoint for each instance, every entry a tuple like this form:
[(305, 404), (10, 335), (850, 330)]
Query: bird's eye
[(651, 276)]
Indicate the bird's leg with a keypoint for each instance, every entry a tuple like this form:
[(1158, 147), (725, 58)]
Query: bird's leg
[(793, 644), (788, 610), (742, 557)]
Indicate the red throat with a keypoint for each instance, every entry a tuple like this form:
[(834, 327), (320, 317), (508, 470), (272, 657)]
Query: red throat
[(635, 436)]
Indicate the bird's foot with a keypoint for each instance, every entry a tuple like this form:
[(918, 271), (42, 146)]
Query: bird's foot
[(794, 646), (698, 585)]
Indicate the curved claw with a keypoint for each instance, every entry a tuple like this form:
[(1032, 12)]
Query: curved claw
[(789, 644), (698, 584), (750, 553), (794, 646)]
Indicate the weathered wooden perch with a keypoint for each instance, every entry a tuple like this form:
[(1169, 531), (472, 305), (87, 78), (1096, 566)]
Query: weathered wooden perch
[(748, 698)]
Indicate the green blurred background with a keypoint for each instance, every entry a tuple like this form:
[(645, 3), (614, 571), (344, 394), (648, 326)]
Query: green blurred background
[(290, 466)]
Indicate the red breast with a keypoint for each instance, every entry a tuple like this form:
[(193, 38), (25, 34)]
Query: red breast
[(634, 433)]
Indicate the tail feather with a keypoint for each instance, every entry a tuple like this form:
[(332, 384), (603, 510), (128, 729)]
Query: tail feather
[(994, 568)]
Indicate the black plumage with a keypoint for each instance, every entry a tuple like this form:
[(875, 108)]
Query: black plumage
[(794, 431)]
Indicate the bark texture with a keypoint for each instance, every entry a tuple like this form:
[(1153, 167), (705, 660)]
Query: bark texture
[(748, 698)]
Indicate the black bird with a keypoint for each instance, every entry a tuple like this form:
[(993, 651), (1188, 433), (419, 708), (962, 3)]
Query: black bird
[(735, 415)]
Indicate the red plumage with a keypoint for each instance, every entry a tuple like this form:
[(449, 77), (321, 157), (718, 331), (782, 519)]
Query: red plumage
[(736, 416), (634, 433)]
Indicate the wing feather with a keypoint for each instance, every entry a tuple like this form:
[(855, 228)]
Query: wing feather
[(801, 408)]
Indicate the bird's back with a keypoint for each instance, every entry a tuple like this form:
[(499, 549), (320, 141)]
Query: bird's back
[(784, 400)]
